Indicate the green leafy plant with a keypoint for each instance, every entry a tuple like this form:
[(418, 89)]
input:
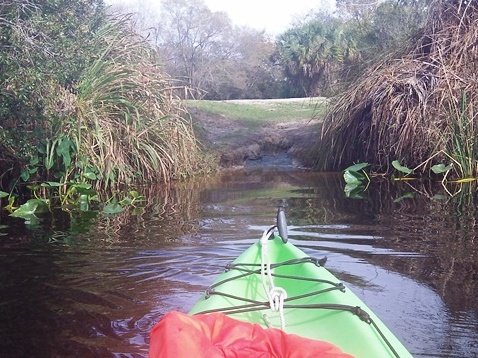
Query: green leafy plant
[(115, 206), (30, 169), (436, 169), (403, 169), (29, 210), (112, 208), (356, 180), (403, 197)]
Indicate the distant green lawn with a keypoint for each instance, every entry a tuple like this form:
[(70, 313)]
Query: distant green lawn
[(257, 112)]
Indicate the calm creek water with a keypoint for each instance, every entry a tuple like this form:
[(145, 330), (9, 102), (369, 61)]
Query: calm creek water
[(84, 285)]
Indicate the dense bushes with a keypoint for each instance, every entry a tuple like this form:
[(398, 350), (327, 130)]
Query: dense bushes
[(418, 108), (83, 98)]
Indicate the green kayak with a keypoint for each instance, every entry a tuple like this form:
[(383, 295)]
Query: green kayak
[(275, 284)]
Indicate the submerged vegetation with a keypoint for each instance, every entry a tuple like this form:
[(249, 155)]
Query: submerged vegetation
[(416, 108)]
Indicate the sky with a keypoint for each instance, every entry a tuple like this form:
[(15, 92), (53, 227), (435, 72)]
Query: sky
[(272, 16)]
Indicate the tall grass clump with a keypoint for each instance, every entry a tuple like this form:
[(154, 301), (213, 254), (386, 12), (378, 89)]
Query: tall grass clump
[(413, 105), (463, 131), (123, 122)]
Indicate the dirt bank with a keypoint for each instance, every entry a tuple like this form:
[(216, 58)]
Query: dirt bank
[(236, 144)]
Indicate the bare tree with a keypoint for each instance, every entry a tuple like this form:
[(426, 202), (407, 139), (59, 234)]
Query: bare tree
[(190, 36)]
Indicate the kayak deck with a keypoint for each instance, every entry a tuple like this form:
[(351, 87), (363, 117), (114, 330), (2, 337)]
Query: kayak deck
[(317, 306)]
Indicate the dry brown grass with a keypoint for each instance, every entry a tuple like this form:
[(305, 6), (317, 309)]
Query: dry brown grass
[(412, 107)]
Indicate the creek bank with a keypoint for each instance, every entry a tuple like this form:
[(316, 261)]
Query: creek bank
[(284, 144)]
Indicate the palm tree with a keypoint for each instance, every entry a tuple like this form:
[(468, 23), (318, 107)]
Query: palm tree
[(312, 54)]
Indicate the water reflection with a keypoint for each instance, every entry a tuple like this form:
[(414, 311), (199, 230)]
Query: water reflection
[(87, 285)]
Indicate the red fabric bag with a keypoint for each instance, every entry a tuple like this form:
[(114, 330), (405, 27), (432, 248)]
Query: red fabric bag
[(216, 335)]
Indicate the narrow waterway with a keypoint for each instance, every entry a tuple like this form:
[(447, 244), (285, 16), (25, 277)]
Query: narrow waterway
[(85, 285)]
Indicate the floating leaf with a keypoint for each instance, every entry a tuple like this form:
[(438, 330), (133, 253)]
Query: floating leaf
[(136, 196), (441, 168), (126, 201), (137, 211), (82, 188), (354, 191), (112, 209), (357, 167), (353, 177), (32, 222), (25, 210), (85, 191), (396, 164)]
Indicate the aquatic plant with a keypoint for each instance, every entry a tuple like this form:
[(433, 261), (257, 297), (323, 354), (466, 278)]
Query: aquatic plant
[(356, 180)]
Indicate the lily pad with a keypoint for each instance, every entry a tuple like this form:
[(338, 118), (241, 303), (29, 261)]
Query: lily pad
[(48, 184), (441, 168), (112, 209), (357, 167), (396, 164), (353, 177), (354, 191)]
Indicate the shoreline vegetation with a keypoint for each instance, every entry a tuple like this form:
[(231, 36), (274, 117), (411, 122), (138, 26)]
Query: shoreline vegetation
[(415, 106), (90, 107)]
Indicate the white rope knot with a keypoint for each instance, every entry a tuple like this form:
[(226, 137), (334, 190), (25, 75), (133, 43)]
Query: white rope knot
[(277, 296)]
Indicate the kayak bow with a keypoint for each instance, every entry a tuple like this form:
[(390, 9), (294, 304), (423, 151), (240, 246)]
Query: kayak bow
[(275, 284)]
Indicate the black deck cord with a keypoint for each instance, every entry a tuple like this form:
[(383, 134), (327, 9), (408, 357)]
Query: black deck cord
[(247, 272), (266, 304)]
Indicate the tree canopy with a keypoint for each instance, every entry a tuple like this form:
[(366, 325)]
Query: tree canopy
[(210, 56)]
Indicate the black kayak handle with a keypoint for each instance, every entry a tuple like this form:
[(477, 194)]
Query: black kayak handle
[(282, 224)]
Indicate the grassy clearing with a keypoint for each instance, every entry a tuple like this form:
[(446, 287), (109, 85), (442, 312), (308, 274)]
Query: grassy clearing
[(239, 129), (256, 113)]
